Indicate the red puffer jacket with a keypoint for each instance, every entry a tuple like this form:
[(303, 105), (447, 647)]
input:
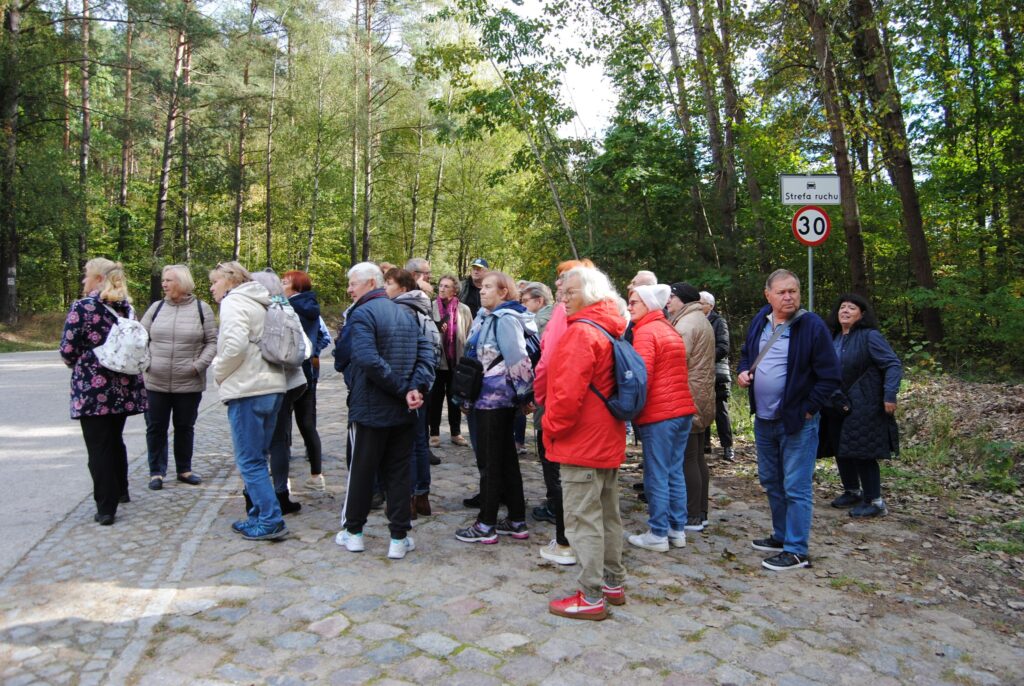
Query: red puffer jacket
[(578, 429), (664, 353)]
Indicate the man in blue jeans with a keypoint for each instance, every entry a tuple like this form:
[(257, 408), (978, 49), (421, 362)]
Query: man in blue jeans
[(796, 372)]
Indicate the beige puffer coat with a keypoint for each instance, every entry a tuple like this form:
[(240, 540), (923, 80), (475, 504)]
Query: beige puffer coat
[(699, 338), (239, 368), (180, 344)]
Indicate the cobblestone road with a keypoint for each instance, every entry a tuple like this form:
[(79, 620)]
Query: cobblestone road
[(170, 595)]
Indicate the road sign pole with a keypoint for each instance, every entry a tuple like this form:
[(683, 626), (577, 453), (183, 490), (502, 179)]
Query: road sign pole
[(810, 278)]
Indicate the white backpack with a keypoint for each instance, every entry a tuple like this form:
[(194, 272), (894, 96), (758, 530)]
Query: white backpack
[(283, 341), (126, 349)]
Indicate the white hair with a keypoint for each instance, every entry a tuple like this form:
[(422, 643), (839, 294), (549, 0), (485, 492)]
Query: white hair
[(417, 264), (706, 297), (594, 284), (367, 271), (184, 276)]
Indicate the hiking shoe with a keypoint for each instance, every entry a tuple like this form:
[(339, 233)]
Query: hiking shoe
[(472, 503), (316, 483), (694, 524), (577, 606), (649, 541), (240, 526), (676, 539), (543, 513), (352, 542), (767, 544), (847, 499), (435, 441), (786, 560), (870, 510), (476, 533), (559, 554), (729, 455), (398, 548), (459, 441), (517, 530), (434, 459), (264, 532), (614, 595)]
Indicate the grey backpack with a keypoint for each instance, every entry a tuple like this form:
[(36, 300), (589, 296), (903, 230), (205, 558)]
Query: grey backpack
[(283, 341)]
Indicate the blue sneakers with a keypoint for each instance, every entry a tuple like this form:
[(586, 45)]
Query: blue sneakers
[(262, 532)]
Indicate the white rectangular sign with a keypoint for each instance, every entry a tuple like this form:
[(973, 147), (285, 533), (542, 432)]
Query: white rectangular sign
[(809, 189)]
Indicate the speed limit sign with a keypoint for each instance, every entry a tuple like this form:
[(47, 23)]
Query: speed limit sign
[(811, 225)]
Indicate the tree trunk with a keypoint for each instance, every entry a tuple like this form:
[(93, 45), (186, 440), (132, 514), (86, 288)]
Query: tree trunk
[(416, 186), (368, 136), (353, 242), (1013, 150), (840, 151), (437, 197), (884, 95), (66, 80), (317, 156), (156, 256), (270, 155), (123, 224), (243, 118), (186, 198), (83, 149), (10, 93)]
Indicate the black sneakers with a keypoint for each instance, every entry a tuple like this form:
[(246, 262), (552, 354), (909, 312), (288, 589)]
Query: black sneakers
[(786, 560), (769, 545), (870, 510), (847, 499)]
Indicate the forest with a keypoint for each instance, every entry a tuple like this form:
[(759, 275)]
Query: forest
[(313, 134)]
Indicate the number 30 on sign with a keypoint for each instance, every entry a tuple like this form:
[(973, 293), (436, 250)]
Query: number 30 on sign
[(811, 225)]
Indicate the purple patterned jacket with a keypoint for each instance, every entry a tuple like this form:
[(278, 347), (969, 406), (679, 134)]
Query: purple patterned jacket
[(96, 390)]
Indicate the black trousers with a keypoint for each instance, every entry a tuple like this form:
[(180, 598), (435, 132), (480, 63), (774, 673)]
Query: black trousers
[(441, 392), (108, 459), (553, 485), (858, 474), (182, 409), (722, 421), (697, 476), (501, 480), (305, 418), (386, 451), (280, 453)]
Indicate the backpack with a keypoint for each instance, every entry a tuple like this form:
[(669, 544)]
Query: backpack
[(283, 341), (630, 394), (199, 305), (126, 349)]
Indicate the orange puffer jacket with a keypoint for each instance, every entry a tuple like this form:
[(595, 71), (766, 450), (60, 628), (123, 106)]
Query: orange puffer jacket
[(578, 428), (664, 353)]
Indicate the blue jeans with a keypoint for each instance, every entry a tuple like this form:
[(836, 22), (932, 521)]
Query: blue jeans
[(664, 448), (420, 462), (252, 423), (785, 465)]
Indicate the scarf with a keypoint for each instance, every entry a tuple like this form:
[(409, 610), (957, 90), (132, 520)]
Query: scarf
[(449, 313)]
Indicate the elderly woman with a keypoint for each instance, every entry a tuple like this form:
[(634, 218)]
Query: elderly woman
[(537, 298), (871, 378), (453, 320), (298, 288), (499, 343), (252, 389), (182, 342), (101, 399), (663, 426)]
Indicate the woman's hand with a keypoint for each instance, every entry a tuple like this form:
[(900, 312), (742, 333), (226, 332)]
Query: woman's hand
[(890, 408)]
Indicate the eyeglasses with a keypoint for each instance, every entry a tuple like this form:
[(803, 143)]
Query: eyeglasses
[(571, 292)]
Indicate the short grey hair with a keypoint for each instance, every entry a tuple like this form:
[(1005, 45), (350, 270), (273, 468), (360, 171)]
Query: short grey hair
[(644, 277), (269, 280), (417, 264), (706, 297), (780, 274), (536, 289), (183, 275), (367, 271), (594, 284)]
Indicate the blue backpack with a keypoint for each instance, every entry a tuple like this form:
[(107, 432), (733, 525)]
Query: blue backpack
[(630, 379)]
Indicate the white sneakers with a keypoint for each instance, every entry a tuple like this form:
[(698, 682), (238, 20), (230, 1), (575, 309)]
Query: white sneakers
[(649, 541), (676, 539), (559, 554), (398, 549)]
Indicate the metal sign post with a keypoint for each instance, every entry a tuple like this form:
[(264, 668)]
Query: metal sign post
[(810, 278)]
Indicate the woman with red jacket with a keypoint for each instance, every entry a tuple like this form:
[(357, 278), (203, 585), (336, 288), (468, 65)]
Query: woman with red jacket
[(664, 424), (588, 442)]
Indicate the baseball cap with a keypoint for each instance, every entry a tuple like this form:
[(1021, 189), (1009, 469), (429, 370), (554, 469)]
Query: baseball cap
[(480, 262)]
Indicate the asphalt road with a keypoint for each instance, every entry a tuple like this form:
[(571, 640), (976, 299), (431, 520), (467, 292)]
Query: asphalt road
[(42, 456)]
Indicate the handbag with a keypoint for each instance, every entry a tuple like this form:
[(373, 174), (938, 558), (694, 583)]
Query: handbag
[(467, 380)]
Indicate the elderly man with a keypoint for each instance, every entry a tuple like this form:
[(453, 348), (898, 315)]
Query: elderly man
[(420, 270), (388, 365), (723, 379), (470, 293), (791, 369), (688, 318), (588, 442)]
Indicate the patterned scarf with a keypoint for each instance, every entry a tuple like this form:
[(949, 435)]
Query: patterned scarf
[(450, 315)]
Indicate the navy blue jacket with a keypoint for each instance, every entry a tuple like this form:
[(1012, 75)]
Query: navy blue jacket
[(383, 356), (812, 369), (306, 306)]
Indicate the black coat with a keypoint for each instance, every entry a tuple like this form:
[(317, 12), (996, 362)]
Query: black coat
[(868, 432)]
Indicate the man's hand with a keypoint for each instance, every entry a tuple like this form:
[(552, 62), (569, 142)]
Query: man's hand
[(425, 286), (744, 379), (414, 399)]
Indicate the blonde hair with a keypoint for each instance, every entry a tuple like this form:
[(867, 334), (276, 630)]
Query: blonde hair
[(233, 271), (183, 275), (114, 285)]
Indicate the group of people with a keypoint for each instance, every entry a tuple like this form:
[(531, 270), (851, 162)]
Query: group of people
[(496, 351)]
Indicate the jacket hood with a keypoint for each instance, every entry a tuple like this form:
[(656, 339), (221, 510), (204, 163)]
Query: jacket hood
[(514, 309), (605, 313), (305, 304), (415, 300), (253, 291), (688, 308)]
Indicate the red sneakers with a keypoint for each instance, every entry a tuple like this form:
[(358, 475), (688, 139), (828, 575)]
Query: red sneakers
[(614, 595), (577, 607)]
